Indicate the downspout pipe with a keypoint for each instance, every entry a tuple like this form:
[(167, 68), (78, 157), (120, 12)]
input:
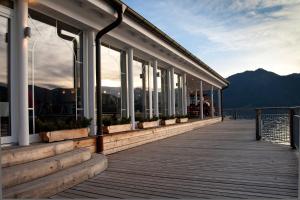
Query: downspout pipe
[(120, 10)]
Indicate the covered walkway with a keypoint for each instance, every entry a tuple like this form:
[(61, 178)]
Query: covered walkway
[(217, 161)]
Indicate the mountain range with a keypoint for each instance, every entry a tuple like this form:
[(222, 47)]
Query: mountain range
[(261, 88)]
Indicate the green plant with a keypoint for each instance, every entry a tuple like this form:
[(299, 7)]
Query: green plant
[(181, 116), (141, 120), (125, 120), (168, 117), (107, 122), (45, 125), (115, 121)]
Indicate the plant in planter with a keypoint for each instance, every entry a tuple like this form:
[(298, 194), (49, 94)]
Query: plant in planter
[(62, 129), (168, 120), (182, 118), (148, 123), (113, 125)]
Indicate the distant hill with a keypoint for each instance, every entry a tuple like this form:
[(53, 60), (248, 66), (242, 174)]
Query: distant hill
[(262, 88)]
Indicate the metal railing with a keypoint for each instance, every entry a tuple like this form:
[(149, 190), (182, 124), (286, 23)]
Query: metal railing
[(239, 113), (278, 125)]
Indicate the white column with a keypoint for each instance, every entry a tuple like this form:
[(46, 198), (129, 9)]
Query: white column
[(172, 91), (22, 73), (219, 102), (155, 90), (169, 92), (201, 100), (150, 91), (196, 97), (212, 101), (91, 81), (184, 98), (85, 75), (130, 87)]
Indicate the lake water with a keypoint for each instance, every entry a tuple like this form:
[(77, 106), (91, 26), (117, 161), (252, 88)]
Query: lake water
[(275, 123)]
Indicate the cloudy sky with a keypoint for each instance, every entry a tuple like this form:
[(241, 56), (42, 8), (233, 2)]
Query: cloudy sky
[(232, 35)]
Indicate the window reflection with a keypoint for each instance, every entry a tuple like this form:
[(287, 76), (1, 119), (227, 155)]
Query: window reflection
[(4, 86), (163, 95), (178, 88), (54, 73), (138, 88), (111, 81)]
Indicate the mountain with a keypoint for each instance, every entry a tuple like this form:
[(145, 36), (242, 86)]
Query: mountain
[(262, 88)]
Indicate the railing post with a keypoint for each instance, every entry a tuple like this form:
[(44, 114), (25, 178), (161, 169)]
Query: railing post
[(291, 115), (258, 124)]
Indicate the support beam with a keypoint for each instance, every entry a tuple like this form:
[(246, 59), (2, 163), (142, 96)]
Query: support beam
[(172, 91), (144, 103), (183, 96), (169, 103), (91, 81), (150, 78), (22, 72), (219, 103), (201, 99), (212, 101), (155, 89), (130, 87), (196, 97)]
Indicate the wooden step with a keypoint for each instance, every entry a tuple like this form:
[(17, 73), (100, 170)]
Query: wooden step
[(21, 155), (23, 173), (57, 182)]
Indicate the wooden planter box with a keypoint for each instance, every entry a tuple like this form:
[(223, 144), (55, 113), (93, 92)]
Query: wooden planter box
[(168, 121), (182, 120), (116, 128), (53, 136), (152, 124)]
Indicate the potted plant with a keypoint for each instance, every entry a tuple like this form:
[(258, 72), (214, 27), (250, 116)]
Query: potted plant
[(148, 123), (168, 120), (62, 129), (182, 119), (114, 125)]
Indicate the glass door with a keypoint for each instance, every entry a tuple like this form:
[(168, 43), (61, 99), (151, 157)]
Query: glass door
[(6, 136)]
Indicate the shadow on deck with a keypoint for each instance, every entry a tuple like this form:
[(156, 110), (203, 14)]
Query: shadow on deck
[(217, 161)]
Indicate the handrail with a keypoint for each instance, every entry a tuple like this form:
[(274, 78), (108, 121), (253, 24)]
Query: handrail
[(284, 120)]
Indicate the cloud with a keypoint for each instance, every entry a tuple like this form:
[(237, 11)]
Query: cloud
[(232, 35)]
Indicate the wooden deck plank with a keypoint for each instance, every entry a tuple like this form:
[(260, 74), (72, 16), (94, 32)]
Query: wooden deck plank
[(218, 161)]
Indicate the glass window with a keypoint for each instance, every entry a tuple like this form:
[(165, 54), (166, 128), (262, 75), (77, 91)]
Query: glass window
[(178, 94), (111, 81), (4, 81), (138, 74), (163, 95), (55, 65)]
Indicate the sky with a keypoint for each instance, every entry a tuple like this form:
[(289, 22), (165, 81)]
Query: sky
[(231, 36)]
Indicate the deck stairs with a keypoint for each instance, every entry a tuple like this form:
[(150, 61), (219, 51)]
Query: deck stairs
[(42, 170)]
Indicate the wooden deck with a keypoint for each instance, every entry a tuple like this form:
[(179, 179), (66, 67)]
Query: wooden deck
[(217, 161)]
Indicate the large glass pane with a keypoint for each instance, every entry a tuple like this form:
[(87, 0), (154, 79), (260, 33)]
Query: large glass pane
[(178, 93), (163, 96), (111, 82), (138, 89), (4, 86), (54, 72), (150, 88)]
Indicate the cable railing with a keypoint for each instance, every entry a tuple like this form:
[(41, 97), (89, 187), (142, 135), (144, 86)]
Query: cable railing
[(278, 125), (239, 113)]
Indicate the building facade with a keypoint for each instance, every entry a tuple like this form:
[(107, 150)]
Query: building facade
[(48, 68)]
